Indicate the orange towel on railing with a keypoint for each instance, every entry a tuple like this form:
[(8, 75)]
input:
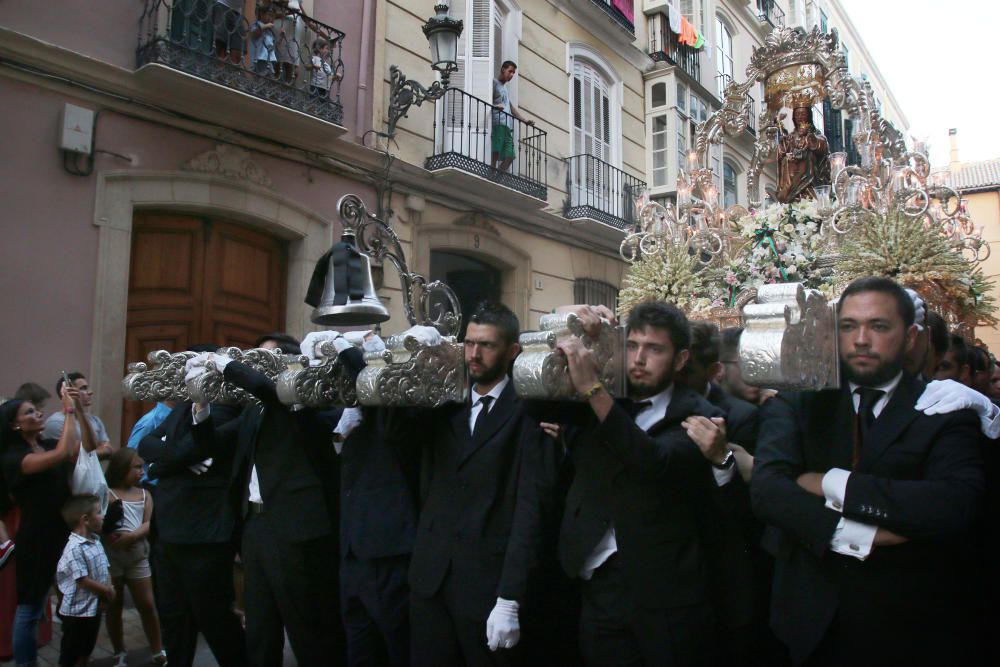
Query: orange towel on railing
[(689, 35)]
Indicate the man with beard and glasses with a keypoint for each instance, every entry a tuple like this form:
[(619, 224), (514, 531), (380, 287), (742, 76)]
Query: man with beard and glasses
[(639, 513), (486, 476), (871, 504)]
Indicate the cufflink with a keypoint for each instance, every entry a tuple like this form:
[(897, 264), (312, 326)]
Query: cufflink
[(854, 547)]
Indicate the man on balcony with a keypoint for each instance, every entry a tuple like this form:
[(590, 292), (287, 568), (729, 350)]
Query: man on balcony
[(504, 114)]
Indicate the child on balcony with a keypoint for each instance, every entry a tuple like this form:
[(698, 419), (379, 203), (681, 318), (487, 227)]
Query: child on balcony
[(322, 71), (262, 49)]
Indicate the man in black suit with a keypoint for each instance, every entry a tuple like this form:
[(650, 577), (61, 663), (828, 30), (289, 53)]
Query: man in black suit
[(287, 490), (483, 489), (870, 504), (378, 523), (195, 521), (641, 501)]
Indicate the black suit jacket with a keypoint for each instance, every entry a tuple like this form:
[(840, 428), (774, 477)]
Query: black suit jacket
[(191, 508), (293, 452), (483, 502), (657, 489), (378, 496), (919, 476), (742, 419)]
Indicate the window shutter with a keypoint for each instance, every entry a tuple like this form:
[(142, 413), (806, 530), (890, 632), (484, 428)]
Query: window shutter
[(454, 107)]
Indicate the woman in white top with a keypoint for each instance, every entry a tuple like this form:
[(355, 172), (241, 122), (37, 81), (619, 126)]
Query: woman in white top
[(128, 554)]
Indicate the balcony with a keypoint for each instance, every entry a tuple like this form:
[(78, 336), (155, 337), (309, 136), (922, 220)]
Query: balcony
[(598, 191), (620, 11), (466, 131), (664, 47), (295, 62), (770, 12)]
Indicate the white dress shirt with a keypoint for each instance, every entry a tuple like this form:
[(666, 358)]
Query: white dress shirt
[(477, 404), (854, 538)]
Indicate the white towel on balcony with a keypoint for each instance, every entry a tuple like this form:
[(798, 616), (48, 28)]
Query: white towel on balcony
[(674, 19)]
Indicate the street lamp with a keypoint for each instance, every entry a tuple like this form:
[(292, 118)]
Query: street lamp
[(442, 34)]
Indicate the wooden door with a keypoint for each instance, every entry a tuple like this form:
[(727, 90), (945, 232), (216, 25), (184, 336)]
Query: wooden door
[(194, 280)]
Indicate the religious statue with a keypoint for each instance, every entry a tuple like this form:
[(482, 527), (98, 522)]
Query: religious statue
[(802, 158)]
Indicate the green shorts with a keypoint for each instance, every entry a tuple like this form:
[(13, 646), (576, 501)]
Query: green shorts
[(503, 142)]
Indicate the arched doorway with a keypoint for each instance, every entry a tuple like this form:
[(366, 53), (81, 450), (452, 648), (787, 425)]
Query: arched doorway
[(472, 279), (196, 279)]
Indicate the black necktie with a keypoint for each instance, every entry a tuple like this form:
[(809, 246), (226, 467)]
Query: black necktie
[(865, 416), (633, 408), (484, 401)]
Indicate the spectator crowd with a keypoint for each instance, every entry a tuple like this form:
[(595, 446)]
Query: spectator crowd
[(699, 520)]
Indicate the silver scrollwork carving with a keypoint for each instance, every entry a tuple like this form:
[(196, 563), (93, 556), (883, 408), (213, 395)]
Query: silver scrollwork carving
[(211, 386), (790, 340), (411, 373), (540, 371), (161, 379)]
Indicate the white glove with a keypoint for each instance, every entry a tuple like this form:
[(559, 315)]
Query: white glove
[(349, 420), (202, 467), (312, 342), (357, 338), (198, 365), (373, 344), (502, 627), (920, 309), (426, 335), (943, 396)]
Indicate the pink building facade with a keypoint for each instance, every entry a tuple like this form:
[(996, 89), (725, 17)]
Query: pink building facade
[(208, 192)]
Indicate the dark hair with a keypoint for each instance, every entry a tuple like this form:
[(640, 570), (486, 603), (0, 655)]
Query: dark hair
[(508, 63), (937, 332), (500, 316), (29, 391), (661, 315), (958, 346), (73, 377), (730, 341), (286, 343), (8, 438), (904, 304), (119, 466), (705, 343), (77, 506), (203, 347), (979, 359)]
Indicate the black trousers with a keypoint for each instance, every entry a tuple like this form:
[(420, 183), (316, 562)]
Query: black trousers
[(375, 606), (444, 634), (614, 633), (195, 594), (291, 587), (79, 637)]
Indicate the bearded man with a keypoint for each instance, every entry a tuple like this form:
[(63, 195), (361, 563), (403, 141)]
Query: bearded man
[(871, 504), (483, 490)]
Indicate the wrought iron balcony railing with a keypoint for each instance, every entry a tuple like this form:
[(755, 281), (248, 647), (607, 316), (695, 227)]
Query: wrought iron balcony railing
[(600, 192), (620, 11), (283, 56), (472, 135), (768, 10), (664, 47)]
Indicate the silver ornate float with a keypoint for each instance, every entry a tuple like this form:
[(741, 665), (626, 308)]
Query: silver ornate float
[(211, 386), (411, 373), (790, 339), (540, 372), (160, 378)]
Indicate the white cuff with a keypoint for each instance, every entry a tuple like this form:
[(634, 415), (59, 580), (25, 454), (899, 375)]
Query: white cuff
[(991, 423), (853, 538), (201, 415), (835, 488), (724, 476)]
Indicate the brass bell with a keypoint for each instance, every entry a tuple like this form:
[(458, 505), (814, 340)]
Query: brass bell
[(348, 295)]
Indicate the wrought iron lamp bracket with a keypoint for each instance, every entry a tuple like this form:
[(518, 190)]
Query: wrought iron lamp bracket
[(404, 93)]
